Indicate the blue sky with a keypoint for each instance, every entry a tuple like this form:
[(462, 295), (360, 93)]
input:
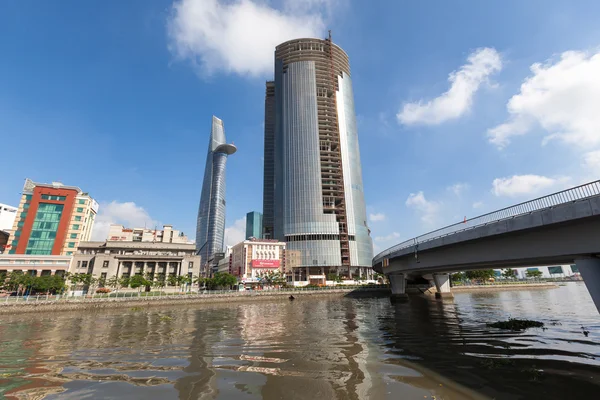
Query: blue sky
[(117, 98)]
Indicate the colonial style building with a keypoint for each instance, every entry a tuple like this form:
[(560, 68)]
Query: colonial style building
[(125, 259)]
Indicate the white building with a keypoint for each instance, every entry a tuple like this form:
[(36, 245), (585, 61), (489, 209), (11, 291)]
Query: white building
[(7, 217), (118, 233), (555, 271), (254, 257)]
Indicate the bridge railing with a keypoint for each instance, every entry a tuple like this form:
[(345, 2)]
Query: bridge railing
[(566, 196)]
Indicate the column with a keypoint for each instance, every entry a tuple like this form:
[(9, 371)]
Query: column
[(52, 272), (307, 274), (590, 272), (442, 284), (398, 283)]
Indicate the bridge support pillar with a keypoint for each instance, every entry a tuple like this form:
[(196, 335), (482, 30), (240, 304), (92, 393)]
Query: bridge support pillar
[(398, 283), (442, 284), (590, 272)]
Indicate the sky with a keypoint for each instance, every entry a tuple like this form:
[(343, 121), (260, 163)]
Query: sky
[(463, 107)]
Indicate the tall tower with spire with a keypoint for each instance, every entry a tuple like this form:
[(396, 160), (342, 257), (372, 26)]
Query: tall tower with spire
[(210, 228)]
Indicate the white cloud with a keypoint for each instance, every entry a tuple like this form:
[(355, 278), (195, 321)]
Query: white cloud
[(561, 97), (239, 36), (458, 188), (591, 162), (235, 233), (477, 204), (459, 98), (427, 209), (391, 237), (377, 217), (521, 185), (127, 214)]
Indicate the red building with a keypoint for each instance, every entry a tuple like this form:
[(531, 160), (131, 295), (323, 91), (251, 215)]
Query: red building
[(52, 219)]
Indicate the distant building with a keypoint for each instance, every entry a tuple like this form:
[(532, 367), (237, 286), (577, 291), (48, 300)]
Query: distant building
[(52, 219), (224, 264), (210, 228), (35, 265), (252, 258), (7, 217), (254, 225), (128, 258), (167, 235), (556, 271)]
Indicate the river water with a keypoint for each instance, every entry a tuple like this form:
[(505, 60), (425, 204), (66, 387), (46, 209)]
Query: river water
[(311, 348)]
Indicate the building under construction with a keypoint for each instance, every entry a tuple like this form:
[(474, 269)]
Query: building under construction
[(313, 191)]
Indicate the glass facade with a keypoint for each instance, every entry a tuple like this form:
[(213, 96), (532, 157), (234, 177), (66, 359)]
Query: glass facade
[(45, 225), (317, 200), (254, 226), (210, 228)]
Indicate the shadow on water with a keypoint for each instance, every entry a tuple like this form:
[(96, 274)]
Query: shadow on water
[(496, 363)]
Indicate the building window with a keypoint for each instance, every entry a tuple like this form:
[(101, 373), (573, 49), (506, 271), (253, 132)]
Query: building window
[(69, 253), (79, 209), (84, 264), (191, 265), (43, 232), (73, 236), (76, 227), (27, 197), (78, 264), (78, 218), (71, 245), (105, 264), (50, 197), (81, 201)]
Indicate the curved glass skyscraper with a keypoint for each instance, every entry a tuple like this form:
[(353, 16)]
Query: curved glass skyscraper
[(210, 228), (313, 191)]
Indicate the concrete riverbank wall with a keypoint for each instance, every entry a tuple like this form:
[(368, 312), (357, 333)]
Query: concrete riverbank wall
[(78, 304)]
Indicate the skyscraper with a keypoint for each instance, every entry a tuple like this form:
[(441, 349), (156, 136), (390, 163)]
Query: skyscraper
[(52, 219), (254, 225), (313, 196), (210, 228)]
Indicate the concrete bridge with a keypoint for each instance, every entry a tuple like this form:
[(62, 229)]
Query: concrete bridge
[(562, 228)]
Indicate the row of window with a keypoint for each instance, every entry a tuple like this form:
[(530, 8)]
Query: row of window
[(302, 238), (50, 197)]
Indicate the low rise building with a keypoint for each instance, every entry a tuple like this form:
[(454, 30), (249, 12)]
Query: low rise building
[(224, 264), (118, 233), (36, 265), (254, 257), (128, 258), (7, 217)]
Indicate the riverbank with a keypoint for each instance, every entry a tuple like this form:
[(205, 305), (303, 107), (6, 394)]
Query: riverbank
[(421, 289), (82, 303)]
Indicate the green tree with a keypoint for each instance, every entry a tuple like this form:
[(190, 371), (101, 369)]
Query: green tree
[(509, 273), (172, 280), (160, 281), (457, 277), (113, 282), (533, 273), (124, 281), (481, 274), (269, 278), (137, 281)]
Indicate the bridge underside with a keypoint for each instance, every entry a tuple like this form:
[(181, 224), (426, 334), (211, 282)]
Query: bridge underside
[(559, 243)]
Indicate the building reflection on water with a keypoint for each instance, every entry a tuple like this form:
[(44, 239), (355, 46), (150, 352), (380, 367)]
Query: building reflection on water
[(308, 348)]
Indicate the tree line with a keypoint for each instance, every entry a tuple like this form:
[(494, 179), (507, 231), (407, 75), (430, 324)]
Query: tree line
[(487, 274), (22, 283)]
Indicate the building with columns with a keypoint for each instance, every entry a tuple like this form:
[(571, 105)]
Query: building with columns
[(128, 258), (38, 265)]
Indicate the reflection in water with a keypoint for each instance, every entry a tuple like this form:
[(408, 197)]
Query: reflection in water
[(309, 349)]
